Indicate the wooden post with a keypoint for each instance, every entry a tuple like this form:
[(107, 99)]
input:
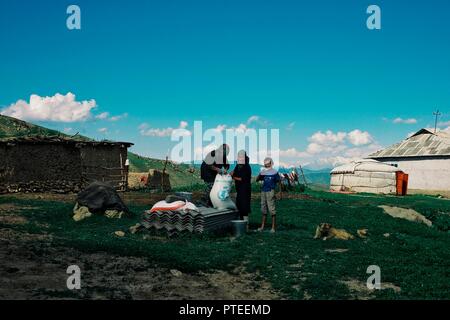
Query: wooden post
[(121, 169), (303, 175), (280, 184), (163, 173), (127, 171)]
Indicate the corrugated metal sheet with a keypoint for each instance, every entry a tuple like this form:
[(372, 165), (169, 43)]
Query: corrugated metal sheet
[(422, 143), (208, 219)]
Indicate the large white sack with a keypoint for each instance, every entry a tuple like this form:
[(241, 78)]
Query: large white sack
[(220, 192)]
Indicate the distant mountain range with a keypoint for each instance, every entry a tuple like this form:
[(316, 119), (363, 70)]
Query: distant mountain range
[(317, 177)]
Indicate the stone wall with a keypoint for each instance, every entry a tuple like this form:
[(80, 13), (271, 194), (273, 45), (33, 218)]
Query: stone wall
[(39, 168), (61, 168), (155, 178), (150, 180)]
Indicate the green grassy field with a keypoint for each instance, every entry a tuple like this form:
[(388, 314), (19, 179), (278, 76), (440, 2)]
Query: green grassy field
[(414, 257)]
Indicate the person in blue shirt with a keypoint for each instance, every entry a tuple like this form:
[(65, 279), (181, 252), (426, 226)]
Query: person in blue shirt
[(270, 178)]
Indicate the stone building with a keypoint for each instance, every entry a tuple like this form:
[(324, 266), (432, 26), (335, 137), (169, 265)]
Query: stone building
[(60, 164)]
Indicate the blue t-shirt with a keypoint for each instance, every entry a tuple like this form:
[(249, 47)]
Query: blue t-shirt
[(270, 179)]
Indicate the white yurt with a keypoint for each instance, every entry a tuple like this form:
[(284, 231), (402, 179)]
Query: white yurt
[(365, 175)]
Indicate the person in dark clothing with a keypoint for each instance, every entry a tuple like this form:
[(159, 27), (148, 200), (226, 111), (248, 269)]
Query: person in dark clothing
[(214, 163), (242, 175)]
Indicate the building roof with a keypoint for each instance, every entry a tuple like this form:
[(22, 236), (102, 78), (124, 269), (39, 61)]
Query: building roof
[(39, 139), (364, 165), (424, 143)]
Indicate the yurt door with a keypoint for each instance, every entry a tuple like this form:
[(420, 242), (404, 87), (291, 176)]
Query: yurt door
[(402, 183)]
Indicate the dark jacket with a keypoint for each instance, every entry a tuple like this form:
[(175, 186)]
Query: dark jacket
[(244, 187), (207, 173)]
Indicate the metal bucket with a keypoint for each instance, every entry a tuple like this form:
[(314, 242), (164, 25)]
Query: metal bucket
[(239, 227), (185, 195)]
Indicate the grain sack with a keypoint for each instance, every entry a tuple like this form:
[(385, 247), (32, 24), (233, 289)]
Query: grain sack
[(220, 193)]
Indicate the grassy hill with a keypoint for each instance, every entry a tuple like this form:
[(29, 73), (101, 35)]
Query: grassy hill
[(318, 177), (11, 127), (181, 175)]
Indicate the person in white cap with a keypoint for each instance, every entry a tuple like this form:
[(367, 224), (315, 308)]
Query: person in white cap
[(270, 178)]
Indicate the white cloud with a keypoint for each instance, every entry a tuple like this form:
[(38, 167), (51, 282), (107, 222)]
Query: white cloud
[(106, 116), (67, 130), (348, 155), (200, 153), (103, 130), (257, 120), (102, 116), (58, 108), (143, 126), (220, 127), (253, 119), (327, 137), (146, 130), (293, 153), (330, 149), (444, 124), (241, 128), (290, 126), (314, 148), (119, 117), (359, 138), (330, 161), (356, 153), (183, 124), (325, 142), (404, 121)]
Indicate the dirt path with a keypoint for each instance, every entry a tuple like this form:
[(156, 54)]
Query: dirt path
[(139, 198), (32, 268), (136, 198)]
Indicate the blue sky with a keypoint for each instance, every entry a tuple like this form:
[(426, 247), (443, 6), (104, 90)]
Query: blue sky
[(312, 63)]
